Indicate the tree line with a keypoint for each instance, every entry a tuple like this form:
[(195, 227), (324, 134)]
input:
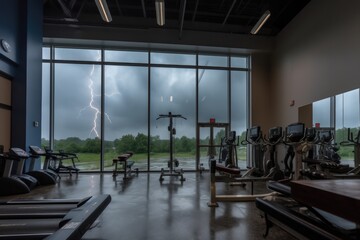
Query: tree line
[(139, 143)]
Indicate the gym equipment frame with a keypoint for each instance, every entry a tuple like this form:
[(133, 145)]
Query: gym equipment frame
[(172, 131), (214, 198)]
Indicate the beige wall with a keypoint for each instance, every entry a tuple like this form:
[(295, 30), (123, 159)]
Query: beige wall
[(260, 91), (5, 114), (317, 55)]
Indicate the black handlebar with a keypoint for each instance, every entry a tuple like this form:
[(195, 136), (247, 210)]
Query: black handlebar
[(170, 115), (351, 140)]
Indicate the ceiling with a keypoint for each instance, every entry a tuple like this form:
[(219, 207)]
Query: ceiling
[(223, 16)]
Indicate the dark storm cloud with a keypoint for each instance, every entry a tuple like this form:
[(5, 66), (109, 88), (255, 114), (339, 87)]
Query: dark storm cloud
[(126, 97)]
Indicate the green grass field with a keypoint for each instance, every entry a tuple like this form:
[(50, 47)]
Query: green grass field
[(91, 161)]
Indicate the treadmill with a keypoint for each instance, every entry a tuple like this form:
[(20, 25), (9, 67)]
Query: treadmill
[(39, 208), (66, 225), (10, 184), (42, 177)]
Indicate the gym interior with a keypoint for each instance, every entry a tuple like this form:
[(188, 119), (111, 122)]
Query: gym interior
[(159, 119)]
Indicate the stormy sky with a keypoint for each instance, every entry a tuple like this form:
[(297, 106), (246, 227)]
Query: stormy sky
[(78, 95)]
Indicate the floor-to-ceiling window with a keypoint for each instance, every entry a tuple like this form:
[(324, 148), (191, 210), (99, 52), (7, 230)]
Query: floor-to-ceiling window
[(341, 113), (100, 103), (347, 117), (213, 101), (172, 90), (125, 122), (239, 104)]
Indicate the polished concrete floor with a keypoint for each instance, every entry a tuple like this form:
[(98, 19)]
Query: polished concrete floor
[(145, 209)]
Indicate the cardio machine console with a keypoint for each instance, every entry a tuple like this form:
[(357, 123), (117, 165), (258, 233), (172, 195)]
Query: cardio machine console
[(18, 152), (232, 137), (255, 133), (36, 150), (310, 134), (325, 136), (295, 132), (275, 134)]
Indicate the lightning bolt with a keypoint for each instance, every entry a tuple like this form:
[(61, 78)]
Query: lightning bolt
[(91, 105)]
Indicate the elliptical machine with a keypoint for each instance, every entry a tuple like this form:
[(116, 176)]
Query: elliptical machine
[(228, 152), (271, 166), (294, 136), (356, 143), (172, 161), (254, 137)]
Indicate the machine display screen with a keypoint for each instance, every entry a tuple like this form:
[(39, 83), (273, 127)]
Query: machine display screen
[(254, 133), (275, 133), (295, 132), (325, 136)]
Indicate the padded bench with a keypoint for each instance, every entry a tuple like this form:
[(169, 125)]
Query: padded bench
[(232, 171), (279, 187), (303, 226), (123, 159)]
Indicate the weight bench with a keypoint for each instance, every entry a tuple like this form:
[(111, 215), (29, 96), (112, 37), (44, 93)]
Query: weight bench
[(123, 159), (228, 170), (280, 188), (287, 215), (230, 178)]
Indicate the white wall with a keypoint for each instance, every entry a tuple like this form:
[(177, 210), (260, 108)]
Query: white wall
[(317, 55)]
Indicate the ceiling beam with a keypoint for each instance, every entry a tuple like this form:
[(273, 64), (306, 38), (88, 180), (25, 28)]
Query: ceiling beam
[(65, 8), (195, 10), (228, 13), (246, 4), (143, 7), (72, 4), (80, 9), (182, 15), (118, 7)]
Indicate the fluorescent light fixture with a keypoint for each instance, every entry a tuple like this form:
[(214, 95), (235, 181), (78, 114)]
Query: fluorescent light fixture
[(261, 22), (160, 12), (104, 10)]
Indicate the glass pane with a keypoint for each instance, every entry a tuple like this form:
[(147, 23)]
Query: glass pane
[(240, 62), (351, 109), (126, 56), (77, 112), (126, 124), (46, 53), (321, 113), (77, 54), (172, 90), (207, 152), (239, 116), (347, 116), (45, 105), (213, 95), (214, 61), (172, 58)]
